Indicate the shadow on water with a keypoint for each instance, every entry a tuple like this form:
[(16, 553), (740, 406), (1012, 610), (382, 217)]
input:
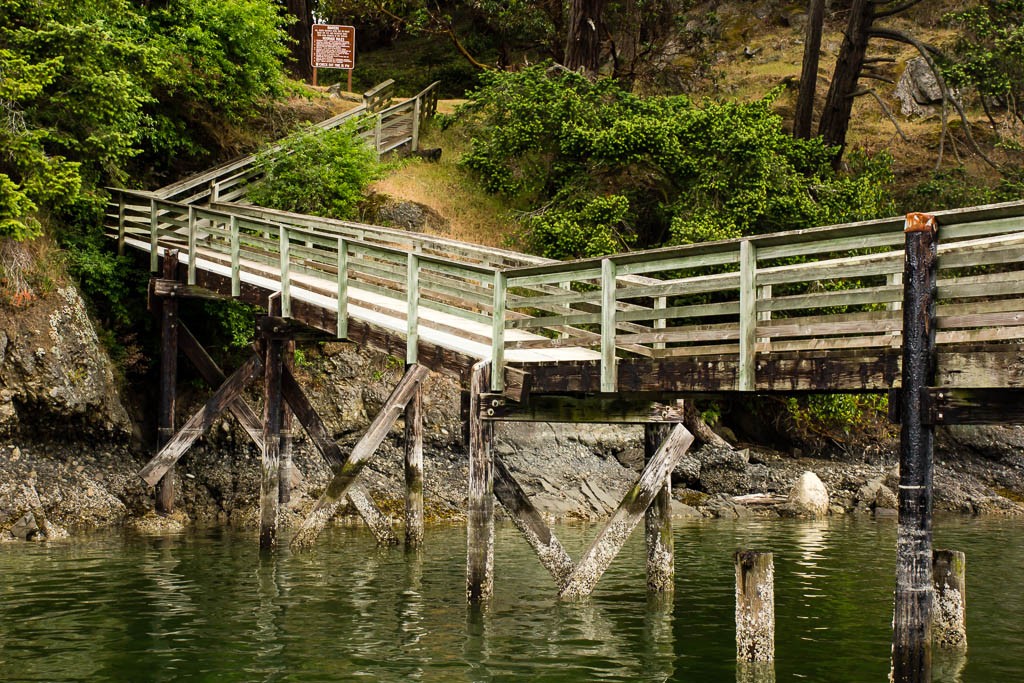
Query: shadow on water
[(208, 606)]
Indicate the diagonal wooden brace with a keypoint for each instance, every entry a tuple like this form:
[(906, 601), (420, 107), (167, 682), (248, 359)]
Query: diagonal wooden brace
[(214, 376), (631, 510), (532, 525), (321, 438), (328, 504), (201, 420)]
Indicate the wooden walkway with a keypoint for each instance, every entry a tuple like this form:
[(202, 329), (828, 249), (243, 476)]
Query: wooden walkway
[(613, 339)]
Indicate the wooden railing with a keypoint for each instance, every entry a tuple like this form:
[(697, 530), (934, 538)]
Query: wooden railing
[(834, 288), (386, 128)]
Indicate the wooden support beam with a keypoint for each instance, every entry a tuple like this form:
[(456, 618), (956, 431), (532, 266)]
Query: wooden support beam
[(616, 531), (755, 606), (214, 376), (168, 383), (170, 288), (270, 465), (201, 420), (414, 470), (318, 433), (661, 569), (518, 385), (480, 515), (949, 618), (532, 525), (746, 379), (287, 470), (577, 409), (328, 503), (912, 622)]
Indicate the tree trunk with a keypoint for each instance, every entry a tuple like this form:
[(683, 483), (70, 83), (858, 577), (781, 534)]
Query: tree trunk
[(835, 118), (300, 32), (809, 70), (583, 43)]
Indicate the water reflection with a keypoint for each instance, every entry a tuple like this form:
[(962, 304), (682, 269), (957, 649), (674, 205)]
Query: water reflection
[(209, 608)]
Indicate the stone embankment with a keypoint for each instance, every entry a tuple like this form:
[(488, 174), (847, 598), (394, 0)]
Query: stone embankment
[(69, 454)]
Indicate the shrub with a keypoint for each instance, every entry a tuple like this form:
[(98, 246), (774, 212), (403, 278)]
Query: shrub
[(601, 168), (323, 173)]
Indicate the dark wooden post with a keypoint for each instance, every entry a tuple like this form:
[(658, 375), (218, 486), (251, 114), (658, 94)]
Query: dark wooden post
[(658, 519), (287, 474), (949, 623), (912, 622), (414, 469), (480, 516), (755, 606), (168, 380), (270, 493)]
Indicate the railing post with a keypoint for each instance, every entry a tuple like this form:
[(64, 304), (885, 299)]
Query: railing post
[(746, 379), (286, 279), (377, 134), (764, 293), (191, 245), (342, 288), (417, 108), (120, 224), (608, 374), (498, 333), (236, 266), (214, 191), (660, 304), (912, 622), (413, 309), (154, 256)]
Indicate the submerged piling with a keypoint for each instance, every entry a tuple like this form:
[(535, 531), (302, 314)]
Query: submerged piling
[(755, 606), (949, 609)]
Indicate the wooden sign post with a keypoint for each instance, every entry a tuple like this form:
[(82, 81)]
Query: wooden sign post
[(333, 47)]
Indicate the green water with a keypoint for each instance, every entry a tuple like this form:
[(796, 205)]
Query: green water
[(207, 607)]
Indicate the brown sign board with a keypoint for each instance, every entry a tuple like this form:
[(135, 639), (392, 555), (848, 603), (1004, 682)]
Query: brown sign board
[(334, 47)]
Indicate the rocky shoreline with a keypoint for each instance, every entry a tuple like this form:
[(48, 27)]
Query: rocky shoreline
[(69, 456)]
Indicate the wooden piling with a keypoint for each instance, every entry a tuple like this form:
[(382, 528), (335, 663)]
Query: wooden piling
[(271, 462), (912, 621), (327, 505), (168, 381), (949, 611), (480, 515), (609, 541), (531, 524), (414, 470), (658, 519), (287, 469), (755, 606)]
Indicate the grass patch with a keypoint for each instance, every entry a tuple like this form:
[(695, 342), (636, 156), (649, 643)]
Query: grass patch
[(472, 214)]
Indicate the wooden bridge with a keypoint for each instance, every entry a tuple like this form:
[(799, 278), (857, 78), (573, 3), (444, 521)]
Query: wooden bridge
[(874, 306)]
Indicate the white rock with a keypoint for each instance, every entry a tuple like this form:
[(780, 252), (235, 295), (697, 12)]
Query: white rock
[(809, 496)]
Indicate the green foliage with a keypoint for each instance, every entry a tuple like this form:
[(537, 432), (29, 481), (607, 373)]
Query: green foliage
[(323, 173), (989, 52), (956, 187), (88, 89), (232, 321), (604, 168), (835, 415)]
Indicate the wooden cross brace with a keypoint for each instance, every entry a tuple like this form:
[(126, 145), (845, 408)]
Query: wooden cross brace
[(229, 397), (576, 581)]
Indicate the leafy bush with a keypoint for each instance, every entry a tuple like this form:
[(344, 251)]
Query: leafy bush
[(989, 52), (323, 173), (601, 168)]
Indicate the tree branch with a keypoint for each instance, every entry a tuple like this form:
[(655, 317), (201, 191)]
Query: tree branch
[(926, 54), (907, 4)]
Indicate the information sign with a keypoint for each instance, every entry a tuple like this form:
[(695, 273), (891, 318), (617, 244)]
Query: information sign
[(334, 47)]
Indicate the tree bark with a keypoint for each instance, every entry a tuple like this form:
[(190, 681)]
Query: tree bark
[(835, 118), (809, 70), (583, 42), (301, 32)]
